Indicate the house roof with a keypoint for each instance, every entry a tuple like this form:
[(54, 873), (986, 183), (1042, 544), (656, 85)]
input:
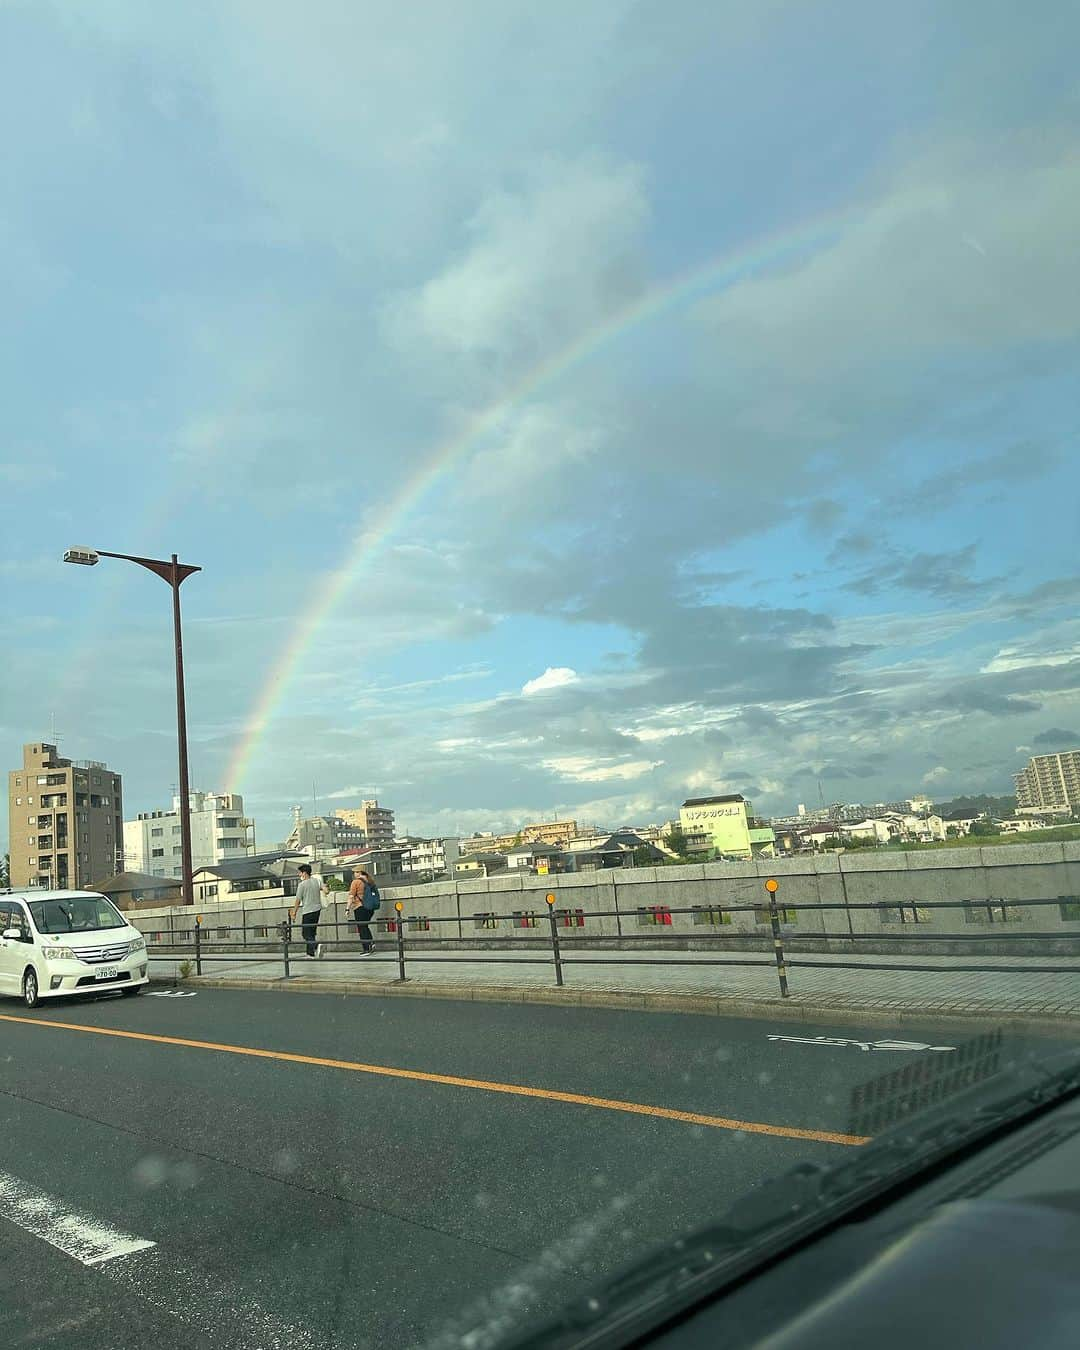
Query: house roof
[(709, 801), (135, 881)]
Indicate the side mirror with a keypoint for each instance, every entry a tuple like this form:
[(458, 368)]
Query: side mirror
[(11, 935)]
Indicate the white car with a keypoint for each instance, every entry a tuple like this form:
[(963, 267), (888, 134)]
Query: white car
[(54, 944)]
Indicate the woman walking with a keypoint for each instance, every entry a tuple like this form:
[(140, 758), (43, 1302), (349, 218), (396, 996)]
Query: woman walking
[(364, 900)]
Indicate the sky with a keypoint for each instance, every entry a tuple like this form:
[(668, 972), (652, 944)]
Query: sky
[(572, 407)]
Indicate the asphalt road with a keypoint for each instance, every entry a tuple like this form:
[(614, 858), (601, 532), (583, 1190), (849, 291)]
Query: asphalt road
[(282, 1200)]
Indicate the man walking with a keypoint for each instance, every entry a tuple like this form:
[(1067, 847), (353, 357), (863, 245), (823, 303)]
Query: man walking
[(309, 896)]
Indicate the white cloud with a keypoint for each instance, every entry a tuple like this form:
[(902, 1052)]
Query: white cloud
[(555, 677), (1021, 658), (582, 769), (935, 775), (546, 262)]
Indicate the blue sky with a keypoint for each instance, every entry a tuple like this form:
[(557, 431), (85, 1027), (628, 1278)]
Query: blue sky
[(815, 522)]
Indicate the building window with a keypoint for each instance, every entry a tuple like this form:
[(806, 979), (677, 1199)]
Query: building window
[(176, 851), (654, 916), (903, 914), (711, 915), (18, 801), (485, 921), (1070, 909), (156, 834), (176, 829), (524, 918), (157, 853), (762, 915), (420, 924), (223, 932), (571, 918)]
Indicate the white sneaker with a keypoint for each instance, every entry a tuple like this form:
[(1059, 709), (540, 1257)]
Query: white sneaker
[(319, 949)]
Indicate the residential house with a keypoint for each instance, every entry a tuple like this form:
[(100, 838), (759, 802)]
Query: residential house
[(474, 865), (130, 890), (538, 858)]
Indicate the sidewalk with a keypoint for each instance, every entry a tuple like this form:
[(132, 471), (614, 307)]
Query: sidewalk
[(1010, 991)]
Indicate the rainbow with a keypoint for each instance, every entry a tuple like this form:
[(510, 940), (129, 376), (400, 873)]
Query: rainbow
[(715, 274)]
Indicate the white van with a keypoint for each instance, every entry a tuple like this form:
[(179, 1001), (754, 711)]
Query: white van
[(57, 943)]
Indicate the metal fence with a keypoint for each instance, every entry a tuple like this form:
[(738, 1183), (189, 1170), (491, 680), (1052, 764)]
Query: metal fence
[(413, 939)]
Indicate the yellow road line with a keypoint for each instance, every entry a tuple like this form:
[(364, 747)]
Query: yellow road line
[(449, 1080)]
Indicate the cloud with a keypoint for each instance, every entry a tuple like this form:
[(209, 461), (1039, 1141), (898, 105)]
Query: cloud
[(555, 677), (1057, 737), (943, 575), (936, 775), (582, 769), (546, 261)]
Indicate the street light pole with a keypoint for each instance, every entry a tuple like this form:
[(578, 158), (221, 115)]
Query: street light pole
[(175, 573)]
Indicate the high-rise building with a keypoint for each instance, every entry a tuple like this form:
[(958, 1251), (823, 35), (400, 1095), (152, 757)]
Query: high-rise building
[(65, 820), (219, 832), (377, 822), (1050, 782)]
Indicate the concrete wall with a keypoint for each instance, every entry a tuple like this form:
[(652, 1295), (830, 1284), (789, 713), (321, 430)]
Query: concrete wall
[(871, 893)]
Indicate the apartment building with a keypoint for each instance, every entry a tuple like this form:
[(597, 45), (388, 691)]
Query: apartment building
[(434, 856), (377, 822), (219, 832), (557, 833), (1050, 782), (324, 836), (65, 820)]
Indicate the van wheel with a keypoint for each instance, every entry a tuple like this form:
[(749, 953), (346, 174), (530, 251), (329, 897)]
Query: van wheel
[(30, 989), (135, 989)]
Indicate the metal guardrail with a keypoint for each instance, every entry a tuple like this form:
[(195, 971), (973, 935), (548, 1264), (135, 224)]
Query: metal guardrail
[(413, 950)]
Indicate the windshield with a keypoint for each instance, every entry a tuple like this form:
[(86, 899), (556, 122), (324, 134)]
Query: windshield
[(539, 574), (75, 914)]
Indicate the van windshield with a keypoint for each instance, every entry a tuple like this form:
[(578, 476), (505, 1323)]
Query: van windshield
[(75, 914)]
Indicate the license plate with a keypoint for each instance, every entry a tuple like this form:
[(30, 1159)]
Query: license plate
[(105, 973)]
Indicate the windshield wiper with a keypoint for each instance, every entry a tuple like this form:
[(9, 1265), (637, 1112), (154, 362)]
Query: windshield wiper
[(802, 1203)]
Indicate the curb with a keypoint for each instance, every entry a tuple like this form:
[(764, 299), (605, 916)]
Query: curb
[(793, 1009)]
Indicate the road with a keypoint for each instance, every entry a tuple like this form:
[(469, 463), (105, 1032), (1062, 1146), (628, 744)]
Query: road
[(243, 1170)]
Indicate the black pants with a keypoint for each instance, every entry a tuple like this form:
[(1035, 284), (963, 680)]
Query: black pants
[(363, 927), (310, 929)]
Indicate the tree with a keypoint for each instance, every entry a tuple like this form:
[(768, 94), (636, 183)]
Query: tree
[(334, 884), (643, 855), (5, 871), (985, 827), (676, 841)]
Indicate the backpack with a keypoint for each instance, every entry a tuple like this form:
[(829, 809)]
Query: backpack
[(371, 893)]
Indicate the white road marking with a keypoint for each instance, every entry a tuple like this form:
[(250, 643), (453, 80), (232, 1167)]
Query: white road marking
[(227, 1315), (224, 1312), (170, 993), (862, 1045), (75, 1234)]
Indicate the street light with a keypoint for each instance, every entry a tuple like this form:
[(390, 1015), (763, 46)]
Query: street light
[(175, 573)]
